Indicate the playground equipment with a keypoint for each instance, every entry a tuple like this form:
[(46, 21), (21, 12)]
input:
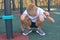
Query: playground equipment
[(8, 22), (8, 17)]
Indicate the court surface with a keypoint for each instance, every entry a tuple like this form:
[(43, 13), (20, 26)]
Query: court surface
[(52, 30)]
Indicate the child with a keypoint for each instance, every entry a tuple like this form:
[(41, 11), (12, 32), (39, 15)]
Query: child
[(34, 14)]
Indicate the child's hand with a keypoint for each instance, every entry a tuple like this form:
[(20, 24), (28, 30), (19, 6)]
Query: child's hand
[(46, 14)]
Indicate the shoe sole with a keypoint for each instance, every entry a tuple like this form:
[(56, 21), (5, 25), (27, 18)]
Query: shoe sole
[(40, 34), (27, 33)]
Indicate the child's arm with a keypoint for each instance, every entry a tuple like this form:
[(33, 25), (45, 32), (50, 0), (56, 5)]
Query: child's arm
[(48, 17)]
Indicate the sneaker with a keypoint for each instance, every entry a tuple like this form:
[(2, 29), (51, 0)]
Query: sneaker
[(27, 31), (40, 32)]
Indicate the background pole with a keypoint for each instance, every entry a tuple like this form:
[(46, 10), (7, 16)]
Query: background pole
[(48, 5), (21, 6), (13, 4), (8, 22)]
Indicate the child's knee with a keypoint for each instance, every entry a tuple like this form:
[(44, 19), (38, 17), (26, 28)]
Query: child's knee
[(41, 19), (22, 18)]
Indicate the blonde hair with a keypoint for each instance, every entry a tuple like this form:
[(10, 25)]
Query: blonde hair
[(33, 1), (31, 8)]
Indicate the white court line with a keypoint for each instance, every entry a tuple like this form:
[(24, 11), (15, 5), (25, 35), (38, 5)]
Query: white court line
[(57, 12)]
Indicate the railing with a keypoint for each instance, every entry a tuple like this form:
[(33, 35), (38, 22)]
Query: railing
[(26, 2)]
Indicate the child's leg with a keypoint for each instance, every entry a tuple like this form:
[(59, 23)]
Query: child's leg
[(40, 22), (25, 20)]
